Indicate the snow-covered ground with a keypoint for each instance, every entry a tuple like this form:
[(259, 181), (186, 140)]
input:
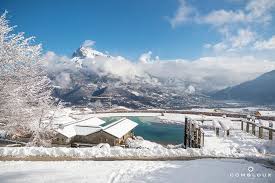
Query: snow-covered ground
[(237, 145), (203, 170), (68, 115)]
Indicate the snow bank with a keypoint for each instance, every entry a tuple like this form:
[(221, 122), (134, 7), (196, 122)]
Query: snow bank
[(199, 171), (238, 144), (3, 134), (216, 124), (79, 171), (225, 124)]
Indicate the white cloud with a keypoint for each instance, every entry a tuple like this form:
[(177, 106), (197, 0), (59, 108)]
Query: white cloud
[(63, 80), (212, 72), (243, 38), (207, 73), (265, 44), (221, 17), (219, 47), (233, 42), (234, 25), (260, 10), (88, 43), (116, 66), (207, 45), (183, 14), (145, 57), (255, 11)]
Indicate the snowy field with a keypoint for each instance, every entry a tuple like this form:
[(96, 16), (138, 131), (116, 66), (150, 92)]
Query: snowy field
[(203, 170), (69, 115), (238, 145)]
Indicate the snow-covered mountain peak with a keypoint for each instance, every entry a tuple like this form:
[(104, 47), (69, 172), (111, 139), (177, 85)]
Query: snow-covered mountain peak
[(88, 52), (92, 73)]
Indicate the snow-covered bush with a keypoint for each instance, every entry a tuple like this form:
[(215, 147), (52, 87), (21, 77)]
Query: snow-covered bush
[(140, 143), (25, 90)]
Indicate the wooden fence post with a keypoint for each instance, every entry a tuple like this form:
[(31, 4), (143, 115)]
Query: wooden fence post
[(191, 138), (203, 139), (189, 133), (217, 132), (260, 132), (196, 132), (270, 134), (185, 132), (199, 138), (242, 125), (253, 129), (247, 127), (193, 135)]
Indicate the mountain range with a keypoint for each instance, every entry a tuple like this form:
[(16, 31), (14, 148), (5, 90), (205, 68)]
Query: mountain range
[(259, 91), (98, 80), (89, 79)]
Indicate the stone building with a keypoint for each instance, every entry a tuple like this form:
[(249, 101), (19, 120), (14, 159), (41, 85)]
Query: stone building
[(65, 133), (93, 133)]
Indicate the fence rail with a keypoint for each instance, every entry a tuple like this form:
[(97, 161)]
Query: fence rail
[(257, 130)]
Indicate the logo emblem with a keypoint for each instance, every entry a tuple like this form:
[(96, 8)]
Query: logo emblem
[(250, 169)]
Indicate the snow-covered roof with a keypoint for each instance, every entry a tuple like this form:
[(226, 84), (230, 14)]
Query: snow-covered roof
[(67, 131), (120, 127), (86, 130), (120, 108), (267, 113), (83, 127), (92, 125), (93, 121)]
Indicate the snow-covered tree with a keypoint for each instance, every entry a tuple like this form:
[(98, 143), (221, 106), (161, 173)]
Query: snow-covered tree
[(25, 90)]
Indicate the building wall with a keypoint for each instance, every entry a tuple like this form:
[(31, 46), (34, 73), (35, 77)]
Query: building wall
[(61, 139), (95, 138), (125, 137), (102, 137)]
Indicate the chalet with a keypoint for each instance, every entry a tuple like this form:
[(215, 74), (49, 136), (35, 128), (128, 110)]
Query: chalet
[(93, 132), (114, 134), (66, 132)]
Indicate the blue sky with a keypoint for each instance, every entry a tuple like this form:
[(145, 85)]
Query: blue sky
[(171, 29)]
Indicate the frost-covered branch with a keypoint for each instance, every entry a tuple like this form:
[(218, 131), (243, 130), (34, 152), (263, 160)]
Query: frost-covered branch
[(25, 92)]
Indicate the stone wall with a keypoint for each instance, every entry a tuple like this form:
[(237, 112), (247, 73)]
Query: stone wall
[(95, 138), (61, 139), (102, 137)]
